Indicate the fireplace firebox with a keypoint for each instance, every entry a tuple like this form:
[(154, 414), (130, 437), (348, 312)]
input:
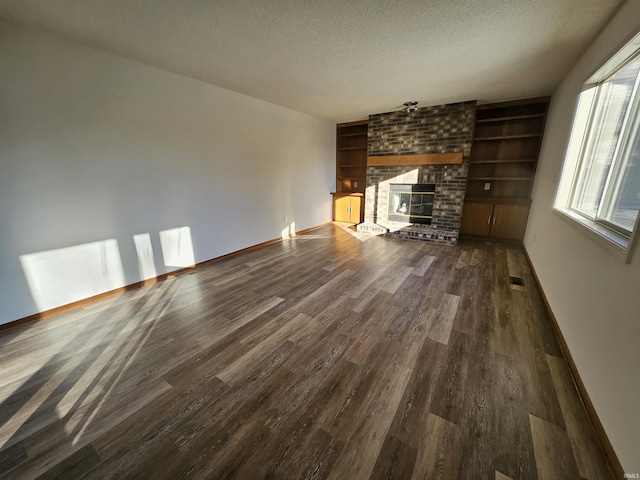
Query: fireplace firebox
[(411, 203)]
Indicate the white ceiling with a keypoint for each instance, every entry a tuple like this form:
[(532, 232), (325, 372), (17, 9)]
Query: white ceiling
[(340, 59)]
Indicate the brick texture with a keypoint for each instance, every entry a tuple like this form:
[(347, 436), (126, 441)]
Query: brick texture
[(437, 129)]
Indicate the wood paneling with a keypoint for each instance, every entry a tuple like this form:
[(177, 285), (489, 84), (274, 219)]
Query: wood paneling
[(418, 159), (321, 357)]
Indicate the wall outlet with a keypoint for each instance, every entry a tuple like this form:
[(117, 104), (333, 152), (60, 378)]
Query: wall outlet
[(355, 184), (487, 186)]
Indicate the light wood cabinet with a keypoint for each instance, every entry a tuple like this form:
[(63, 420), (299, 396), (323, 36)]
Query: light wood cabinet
[(504, 155), (347, 208)]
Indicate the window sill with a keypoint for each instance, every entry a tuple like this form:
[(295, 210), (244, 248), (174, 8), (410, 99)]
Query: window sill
[(616, 244)]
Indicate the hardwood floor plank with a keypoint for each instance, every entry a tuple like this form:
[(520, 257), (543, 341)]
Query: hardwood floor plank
[(314, 458), (514, 266), (328, 346), (464, 259), (478, 257), (311, 373), (74, 465), (423, 265), (296, 439), (236, 323), (513, 444), (480, 412), (74, 384), (439, 329), (56, 442), (235, 373), (396, 461), (449, 398), (437, 461), (502, 476), (411, 340), (554, 457), (364, 437), (329, 355), (583, 443), (143, 434), (216, 435), (12, 456), (543, 399), (369, 334), (397, 279)]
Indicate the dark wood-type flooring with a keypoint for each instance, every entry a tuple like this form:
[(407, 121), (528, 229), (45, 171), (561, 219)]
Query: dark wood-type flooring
[(324, 356)]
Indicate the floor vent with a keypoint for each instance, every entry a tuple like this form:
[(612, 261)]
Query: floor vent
[(517, 281)]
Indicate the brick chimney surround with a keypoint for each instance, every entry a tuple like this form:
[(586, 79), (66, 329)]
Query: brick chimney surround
[(429, 130)]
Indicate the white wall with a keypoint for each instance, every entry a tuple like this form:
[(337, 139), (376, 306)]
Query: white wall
[(95, 148), (595, 297)]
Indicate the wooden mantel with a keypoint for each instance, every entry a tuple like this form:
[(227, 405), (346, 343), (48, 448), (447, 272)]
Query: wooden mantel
[(424, 159)]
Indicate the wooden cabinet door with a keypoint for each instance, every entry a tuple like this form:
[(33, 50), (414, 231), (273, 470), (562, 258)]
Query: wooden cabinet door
[(476, 219), (509, 221), (347, 208), (356, 203), (342, 208)]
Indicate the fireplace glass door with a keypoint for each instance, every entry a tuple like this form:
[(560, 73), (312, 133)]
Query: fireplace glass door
[(411, 203)]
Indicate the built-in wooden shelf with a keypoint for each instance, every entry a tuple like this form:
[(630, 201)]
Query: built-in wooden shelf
[(501, 200), (512, 117), (357, 134), (504, 154), (507, 137), (506, 160), (517, 179), (351, 171)]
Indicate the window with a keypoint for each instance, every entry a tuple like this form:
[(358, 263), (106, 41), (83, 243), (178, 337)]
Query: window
[(600, 188)]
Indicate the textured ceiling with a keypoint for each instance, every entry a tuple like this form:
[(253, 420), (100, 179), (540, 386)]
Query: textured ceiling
[(340, 59)]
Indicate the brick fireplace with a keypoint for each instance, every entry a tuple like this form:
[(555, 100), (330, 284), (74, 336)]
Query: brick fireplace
[(428, 130)]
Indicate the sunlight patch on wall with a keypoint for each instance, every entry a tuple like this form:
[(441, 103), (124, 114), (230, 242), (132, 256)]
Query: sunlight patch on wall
[(146, 265), (66, 275), (289, 231), (177, 248)]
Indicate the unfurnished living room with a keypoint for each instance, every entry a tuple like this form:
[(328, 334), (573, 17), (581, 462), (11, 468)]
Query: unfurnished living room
[(299, 239)]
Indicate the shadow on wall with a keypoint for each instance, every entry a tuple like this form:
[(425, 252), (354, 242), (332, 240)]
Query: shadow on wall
[(66, 275)]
